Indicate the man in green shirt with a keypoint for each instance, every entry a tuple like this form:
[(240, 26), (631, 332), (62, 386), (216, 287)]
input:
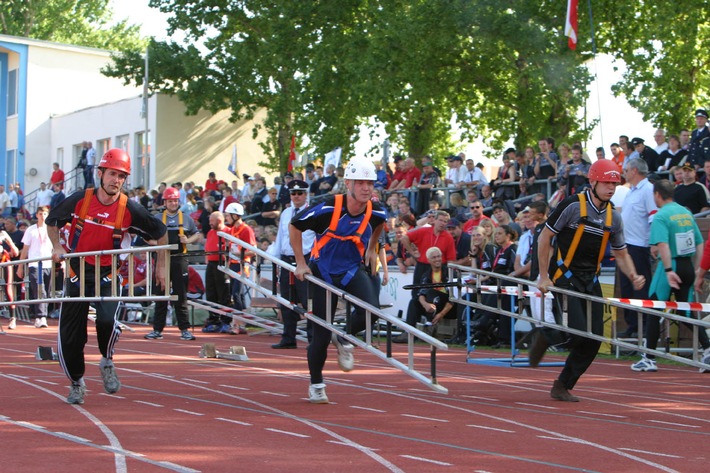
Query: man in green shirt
[(680, 248)]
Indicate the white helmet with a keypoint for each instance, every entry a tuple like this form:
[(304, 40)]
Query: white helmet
[(235, 208), (360, 169)]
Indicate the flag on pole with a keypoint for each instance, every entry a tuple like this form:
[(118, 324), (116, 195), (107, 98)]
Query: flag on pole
[(333, 157), (292, 155), (571, 24), (233, 164)]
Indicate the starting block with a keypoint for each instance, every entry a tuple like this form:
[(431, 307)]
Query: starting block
[(46, 354), (236, 353)]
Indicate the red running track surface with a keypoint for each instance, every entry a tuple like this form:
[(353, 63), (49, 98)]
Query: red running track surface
[(178, 412)]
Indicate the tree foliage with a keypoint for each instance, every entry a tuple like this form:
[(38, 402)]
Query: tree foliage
[(78, 22)]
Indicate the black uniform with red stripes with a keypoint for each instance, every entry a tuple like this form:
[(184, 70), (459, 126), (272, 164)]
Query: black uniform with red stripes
[(580, 274), (98, 232), (338, 260)]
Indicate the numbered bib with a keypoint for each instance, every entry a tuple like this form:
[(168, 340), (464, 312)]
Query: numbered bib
[(685, 243)]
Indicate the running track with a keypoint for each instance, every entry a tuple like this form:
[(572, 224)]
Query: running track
[(178, 412)]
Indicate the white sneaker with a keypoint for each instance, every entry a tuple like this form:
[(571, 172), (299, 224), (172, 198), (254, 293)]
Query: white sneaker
[(346, 359), (644, 364), (37, 322), (705, 358), (12, 325), (316, 394), (41, 322)]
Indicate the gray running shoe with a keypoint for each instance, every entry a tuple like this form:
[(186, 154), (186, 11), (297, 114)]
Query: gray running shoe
[(154, 335), (111, 382), (185, 335), (76, 394)]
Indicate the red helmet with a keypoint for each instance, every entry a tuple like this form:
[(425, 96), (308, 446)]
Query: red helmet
[(116, 159), (604, 170), (171, 193)]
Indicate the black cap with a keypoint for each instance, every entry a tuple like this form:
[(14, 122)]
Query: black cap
[(453, 223), (701, 112), (637, 141), (289, 174), (297, 185)]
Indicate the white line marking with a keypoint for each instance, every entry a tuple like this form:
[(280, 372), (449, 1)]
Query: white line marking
[(427, 460), (234, 421), (31, 425), (556, 438), (149, 403), (489, 428), (380, 385), (288, 433), (368, 409), (47, 382), (348, 445), (426, 418), (540, 406), (274, 394), (600, 414), (649, 453), (233, 387), (675, 424), (188, 412), (479, 397), (198, 381), (112, 396), (72, 437)]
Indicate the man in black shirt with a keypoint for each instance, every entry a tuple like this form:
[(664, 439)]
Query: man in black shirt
[(689, 193), (647, 154)]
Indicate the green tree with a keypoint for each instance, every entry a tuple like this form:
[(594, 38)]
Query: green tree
[(79, 22), (665, 47)]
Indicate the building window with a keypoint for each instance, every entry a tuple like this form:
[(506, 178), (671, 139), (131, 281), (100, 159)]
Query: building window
[(11, 166), (138, 165), (122, 143), (76, 153), (12, 92), (102, 146)]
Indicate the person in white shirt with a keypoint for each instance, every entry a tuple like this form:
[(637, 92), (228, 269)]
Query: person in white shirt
[(90, 164), (44, 195), (4, 202), (281, 248), (38, 245), (456, 172), (661, 143)]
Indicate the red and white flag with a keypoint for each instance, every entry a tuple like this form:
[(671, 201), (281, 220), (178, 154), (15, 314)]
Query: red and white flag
[(571, 24), (292, 155)]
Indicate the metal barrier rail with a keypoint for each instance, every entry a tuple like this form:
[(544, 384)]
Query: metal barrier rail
[(56, 296), (457, 271), (370, 311)]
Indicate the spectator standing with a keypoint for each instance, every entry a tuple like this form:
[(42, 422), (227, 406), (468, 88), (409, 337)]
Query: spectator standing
[(282, 249), (546, 160), (57, 176), (270, 210), (57, 197), (456, 172), (647, 154), (689, 193), (337, 257), (578, 270), (36, 244), (637, 213), (90, 164), (211, 185), (462, 242), (699, 146), (506, 176), (12, 194), (428, 181), (44, 195), (617, 156), (182, 231), (114, 168), (680, 248), (5, 208)]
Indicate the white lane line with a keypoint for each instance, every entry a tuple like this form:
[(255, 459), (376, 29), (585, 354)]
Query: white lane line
[(479, 397), (667, 455), (490, 428), (675, 424), (274, 394), (198, 381), (368, 409), (601, 414), (380, 385), (112, 396), (31, 425), (75, 438), (152, 404), (286, 432), (571, 440), (427, 460), (426, 418), (44, 381), (189, 412), (234, 421), (348, 445), (539, 406), (233, 387)]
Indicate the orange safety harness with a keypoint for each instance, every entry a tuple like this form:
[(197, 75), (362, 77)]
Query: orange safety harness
[(181, 228), (356, 238), (117, 224), (563, 265)]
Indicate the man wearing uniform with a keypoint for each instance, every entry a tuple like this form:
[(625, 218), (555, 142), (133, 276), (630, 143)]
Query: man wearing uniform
[(699, 146), (347, 228), (582, 225), (680, 248), (100, 219), (298, 190), (182, 231)]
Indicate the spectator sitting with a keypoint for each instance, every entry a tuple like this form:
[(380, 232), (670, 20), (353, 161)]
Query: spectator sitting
[(462, 242), (339, 187), (399, 171), (271, 210), (502, 217), (457, 206), (58, 196), (431, 302), (383, 179), (476, 216), (403, 258), (486, 196), (326, 183), (691, 194), (673, 155)]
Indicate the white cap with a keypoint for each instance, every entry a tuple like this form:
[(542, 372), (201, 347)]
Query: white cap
[(235, 208), (360, 169)]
